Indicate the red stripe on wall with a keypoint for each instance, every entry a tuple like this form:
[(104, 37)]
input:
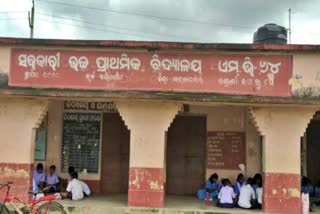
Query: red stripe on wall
[(146, 187), (282, 193), (20, 175)]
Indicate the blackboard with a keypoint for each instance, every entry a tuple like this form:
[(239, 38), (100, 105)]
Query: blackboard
[(81, 141), (225, 150)]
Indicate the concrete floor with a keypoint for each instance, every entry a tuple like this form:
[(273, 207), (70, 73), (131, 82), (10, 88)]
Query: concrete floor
[(117, 204)]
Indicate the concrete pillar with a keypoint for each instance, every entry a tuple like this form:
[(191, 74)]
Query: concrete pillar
[(147, 122), (253, 147), (282, 128), (18, 120)]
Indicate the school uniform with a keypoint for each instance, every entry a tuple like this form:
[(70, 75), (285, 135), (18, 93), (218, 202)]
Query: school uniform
[(237, 188), (226, 197), (247, 194), (212, 187), (317, 195), (85, 189), (38, 178), (35, 187), (259, 196), (308, 189), (53, 181), (74, 190)]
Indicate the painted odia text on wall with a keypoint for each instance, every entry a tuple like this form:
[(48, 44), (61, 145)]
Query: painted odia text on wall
[(264, 75)]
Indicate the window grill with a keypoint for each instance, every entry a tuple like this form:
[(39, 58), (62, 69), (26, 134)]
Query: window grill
[(81, 142)]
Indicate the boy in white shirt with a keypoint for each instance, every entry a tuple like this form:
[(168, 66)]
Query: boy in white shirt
[(85, 189), (247, 196), (74, 188), (226, 195)]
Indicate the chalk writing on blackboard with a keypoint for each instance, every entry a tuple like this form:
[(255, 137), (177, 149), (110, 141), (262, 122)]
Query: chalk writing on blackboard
[(225, 150)]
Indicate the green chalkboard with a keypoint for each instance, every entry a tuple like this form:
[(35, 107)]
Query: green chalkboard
[(40, 146)]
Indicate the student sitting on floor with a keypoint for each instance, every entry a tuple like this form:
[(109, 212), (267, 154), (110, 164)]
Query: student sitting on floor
[(316, 194), (211, 188), (226, 197), (259, 190), (85, 189), (74, 188), (239, 183), (52, 181), (247, 197), (306, 186), (39, 178), (70, 170), (257, 181), (306, 191), (220, 185)]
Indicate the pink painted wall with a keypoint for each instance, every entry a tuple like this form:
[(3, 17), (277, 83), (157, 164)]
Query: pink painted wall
[(19, 118), (282, 128), (147, 122), (305, 80), (4, 59)]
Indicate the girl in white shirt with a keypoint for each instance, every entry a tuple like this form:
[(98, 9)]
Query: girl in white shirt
[(247, 196), (259, 197), (226, 197)]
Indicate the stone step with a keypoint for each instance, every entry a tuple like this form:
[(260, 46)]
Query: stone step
[(126, 210)]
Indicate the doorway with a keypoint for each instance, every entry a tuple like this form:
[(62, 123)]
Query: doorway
[(186, 149), (313, 149), (115, 154)]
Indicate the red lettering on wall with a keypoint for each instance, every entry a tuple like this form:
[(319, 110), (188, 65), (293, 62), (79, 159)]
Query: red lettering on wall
[(264, 75)]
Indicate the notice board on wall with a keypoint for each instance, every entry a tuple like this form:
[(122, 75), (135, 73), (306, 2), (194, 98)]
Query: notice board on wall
[(40, 144), (225, 150)]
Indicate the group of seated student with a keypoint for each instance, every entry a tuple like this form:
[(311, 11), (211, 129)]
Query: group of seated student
[(51, 183), (244, 194)]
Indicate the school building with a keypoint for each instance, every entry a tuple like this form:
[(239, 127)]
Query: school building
[(151, 119)]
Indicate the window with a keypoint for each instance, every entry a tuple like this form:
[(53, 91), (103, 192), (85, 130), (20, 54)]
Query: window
[(81, 142)]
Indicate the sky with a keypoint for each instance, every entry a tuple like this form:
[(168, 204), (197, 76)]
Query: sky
[(206, 21)]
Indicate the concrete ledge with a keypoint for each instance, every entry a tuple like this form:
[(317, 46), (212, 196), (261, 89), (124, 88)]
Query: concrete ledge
[(117, 204), (6, 90), (123, 210)]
